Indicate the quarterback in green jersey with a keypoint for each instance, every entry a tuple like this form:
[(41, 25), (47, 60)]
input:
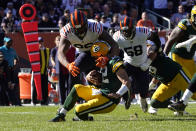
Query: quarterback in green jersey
[(105, 88)]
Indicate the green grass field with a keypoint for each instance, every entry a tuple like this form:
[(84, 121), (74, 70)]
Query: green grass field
[(35, 119)]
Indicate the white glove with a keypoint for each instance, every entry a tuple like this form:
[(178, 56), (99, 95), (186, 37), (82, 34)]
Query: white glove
[(152, 86)]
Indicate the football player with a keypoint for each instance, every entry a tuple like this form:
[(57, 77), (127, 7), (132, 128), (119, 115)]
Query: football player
[(180, 105), (132, 40), (182, 32), (173, 76), (104, 93), (82, 33)]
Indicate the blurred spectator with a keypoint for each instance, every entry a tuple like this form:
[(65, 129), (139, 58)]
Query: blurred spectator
[(134, 13), (96, 7), (145, 22), (160, 6), (2, 14), (115, 26), (105, 23), (122, 14), (46, 21), (178, 16), (44, 61), (65, 18), (11, 57), (107, 12), (53, 16), (5, 78), (9, 22), (2, 35), (60, 24), (70, 4), (10, 6), (97, 17), (170, 9)]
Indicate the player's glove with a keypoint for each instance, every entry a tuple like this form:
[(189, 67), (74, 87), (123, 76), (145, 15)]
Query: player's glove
[(74, 70), (102, 61)]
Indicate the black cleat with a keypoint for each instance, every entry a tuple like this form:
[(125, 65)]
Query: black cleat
[(58, 118), (90, 118), (178, 106), (128, 100)]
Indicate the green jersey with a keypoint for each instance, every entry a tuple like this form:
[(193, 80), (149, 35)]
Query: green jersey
[(189, 30), (164, 69), (110, 82)]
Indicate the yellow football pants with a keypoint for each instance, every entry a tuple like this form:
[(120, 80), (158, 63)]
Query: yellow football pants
[(185, 63), (95, 103), (180, 82)]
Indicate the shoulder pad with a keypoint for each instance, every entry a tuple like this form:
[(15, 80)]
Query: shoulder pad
[(183, 24)]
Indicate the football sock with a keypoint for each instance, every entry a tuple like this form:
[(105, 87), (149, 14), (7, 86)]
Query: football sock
[(71, 99), (187, 94), (63, 111)]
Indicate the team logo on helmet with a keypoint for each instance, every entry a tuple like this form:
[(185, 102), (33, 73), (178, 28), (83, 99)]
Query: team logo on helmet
[(100, 48)]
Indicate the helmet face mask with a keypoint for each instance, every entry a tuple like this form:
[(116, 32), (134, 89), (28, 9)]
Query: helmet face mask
[(128, 33), (79, 23), (81, 32), (127, 27)]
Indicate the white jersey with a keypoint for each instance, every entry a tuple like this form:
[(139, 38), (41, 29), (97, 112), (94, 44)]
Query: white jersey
[(95, 29), (135, 50)]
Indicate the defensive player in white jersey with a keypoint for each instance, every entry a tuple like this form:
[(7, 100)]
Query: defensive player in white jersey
[(81, 34), (132, 40)]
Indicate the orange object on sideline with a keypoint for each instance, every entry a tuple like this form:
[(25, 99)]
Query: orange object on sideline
[(25, 85)]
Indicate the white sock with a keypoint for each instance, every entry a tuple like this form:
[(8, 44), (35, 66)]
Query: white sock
[(186, 96), (63, 111)]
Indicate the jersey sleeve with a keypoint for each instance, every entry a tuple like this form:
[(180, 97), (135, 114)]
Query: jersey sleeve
[(96, 27), (116, 62), (65, 30), (182, 24)]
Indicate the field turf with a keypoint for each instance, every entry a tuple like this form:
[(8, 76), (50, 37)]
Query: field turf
[(29, 118)]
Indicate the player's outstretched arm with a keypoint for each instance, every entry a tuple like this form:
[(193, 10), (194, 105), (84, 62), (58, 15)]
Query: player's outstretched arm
[(175, 36)]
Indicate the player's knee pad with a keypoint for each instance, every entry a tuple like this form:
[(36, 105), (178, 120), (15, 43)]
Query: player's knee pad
[(80, 115)]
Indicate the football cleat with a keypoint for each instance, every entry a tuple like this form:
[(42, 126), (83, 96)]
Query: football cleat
[(152, 110), (90, 118), (143, 104), (181, 113), (178, 106), (59, 118), (128, 100)]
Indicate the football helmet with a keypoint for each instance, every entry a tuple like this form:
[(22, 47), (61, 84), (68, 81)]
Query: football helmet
[(78, 21), (193, 15), (100, 48), (127, 27)]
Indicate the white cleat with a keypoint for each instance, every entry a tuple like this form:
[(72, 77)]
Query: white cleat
[(181, 113), (144, 104), (152, 111)]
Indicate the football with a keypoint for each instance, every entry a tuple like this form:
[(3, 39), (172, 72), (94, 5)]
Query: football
[(94, 77)]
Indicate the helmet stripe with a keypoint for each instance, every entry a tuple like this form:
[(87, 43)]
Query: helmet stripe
[(81, 17), (130, 23), (72, 21), (120, 24), (76, 17), (125, 21)]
